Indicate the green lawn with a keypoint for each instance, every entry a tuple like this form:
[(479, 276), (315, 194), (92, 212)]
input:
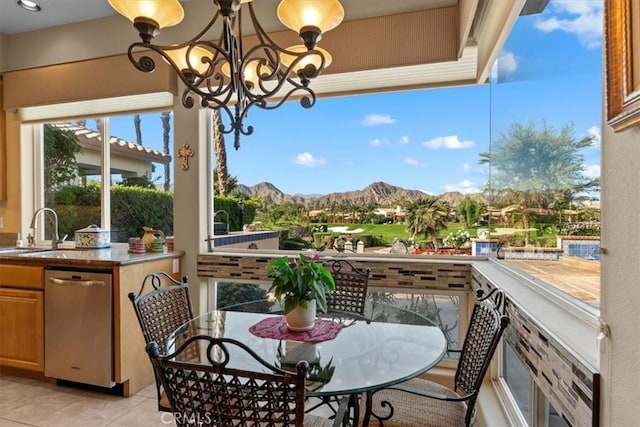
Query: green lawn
[(387, 231), (392, 231)]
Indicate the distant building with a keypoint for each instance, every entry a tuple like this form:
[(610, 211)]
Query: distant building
[(128, 159)]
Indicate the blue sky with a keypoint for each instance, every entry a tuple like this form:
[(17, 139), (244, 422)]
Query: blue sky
[(550, 70)]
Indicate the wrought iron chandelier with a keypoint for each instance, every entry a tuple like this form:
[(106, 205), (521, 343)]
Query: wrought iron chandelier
[(227, 75)]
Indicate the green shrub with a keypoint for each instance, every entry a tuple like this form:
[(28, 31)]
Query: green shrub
[(294, 243), (79, 196), (131, 209), (589, 228), (135, 207), (231, 207), (237, 293), (378, 241), (367, 239), (546, 242), (322, 238)]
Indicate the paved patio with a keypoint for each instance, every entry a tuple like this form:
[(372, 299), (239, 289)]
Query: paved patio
[(580, 279), (577, 277)]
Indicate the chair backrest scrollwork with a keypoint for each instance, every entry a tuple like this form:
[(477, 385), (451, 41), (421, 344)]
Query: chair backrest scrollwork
[(221, 394), (488, 322), (352, 282), (162, 306)]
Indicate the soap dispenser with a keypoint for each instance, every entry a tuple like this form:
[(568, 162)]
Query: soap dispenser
[(19, 242)]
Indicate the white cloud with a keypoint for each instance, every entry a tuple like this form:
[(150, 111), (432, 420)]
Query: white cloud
[(466, 167), (507, 62), (464, 187), (413, 162), (585, 20), (404, 140), (592, 171), (306, 159), (594, 131), (375, 142), (377, 120), (450, 142)]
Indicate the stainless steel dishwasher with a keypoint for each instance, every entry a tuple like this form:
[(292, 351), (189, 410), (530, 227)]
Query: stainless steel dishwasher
[(78, 333)]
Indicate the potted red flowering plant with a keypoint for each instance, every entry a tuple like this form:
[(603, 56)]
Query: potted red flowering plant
[(301, 285)]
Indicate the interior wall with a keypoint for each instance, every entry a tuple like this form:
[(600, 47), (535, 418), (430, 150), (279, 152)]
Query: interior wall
[(620, 294), (77, 81), (3, 52), (190, 209), (10, 208)]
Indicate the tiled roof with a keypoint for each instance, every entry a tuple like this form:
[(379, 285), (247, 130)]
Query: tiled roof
[(91, 137)]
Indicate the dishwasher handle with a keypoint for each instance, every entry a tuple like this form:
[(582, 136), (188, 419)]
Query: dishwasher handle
[(77, 282)]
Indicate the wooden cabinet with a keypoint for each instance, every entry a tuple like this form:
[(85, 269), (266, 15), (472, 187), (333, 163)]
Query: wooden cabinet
[(22, 320), (22, 317)]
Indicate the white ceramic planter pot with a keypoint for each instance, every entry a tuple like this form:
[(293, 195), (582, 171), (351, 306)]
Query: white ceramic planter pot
[(302, 319)]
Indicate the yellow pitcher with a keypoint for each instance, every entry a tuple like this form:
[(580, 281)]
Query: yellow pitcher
[(152, 236)]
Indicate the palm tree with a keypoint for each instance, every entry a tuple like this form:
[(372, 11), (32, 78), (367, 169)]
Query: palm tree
[(99, 126), (166, 128), (427, 215), (232, 182), (369, 208), (136, 123), (470, 211), (222, 172)]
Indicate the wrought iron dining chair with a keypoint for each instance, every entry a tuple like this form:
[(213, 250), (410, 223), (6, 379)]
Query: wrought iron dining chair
[(423, 403), (350, 295), (220, 393), (346, 304), (161, 308)]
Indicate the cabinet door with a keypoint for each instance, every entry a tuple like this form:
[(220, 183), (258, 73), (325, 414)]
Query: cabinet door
[(21, 276), (22, 329)]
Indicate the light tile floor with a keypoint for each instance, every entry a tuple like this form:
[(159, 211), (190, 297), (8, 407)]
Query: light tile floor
[(27, 402)]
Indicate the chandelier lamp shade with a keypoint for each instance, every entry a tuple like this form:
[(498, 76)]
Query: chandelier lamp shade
[(225, 74)]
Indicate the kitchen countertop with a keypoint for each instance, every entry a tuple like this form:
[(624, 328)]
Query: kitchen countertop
[(116, 255)]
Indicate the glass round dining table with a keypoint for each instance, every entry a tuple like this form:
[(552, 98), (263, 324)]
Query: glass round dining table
[(362, 357)]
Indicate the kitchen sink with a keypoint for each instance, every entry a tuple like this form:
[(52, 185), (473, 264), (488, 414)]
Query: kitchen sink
[(13, 250), (71, 254)]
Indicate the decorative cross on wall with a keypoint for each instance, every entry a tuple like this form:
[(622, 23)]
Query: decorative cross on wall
[(184, 153)]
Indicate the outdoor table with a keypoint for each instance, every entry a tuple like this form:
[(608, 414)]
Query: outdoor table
[(364, 355)]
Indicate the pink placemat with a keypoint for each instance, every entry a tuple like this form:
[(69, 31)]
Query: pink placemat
[(276, 328)]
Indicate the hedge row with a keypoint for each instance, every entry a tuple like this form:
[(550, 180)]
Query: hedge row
[(131, 209)]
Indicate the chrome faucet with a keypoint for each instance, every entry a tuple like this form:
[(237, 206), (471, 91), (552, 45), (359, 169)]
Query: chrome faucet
[(55, 238)]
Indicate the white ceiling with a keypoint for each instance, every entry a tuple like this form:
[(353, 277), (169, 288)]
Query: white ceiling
[(14, 19), (491, 21)]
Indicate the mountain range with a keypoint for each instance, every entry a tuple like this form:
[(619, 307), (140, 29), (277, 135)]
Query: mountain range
[(378, 193)]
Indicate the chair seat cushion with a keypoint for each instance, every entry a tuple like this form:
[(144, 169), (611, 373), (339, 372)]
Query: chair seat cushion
[(163, 402), (413, 410)]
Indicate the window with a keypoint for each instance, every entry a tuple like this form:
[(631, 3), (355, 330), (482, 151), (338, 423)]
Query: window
[(517, 379), (137, 157), (546, 110)]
